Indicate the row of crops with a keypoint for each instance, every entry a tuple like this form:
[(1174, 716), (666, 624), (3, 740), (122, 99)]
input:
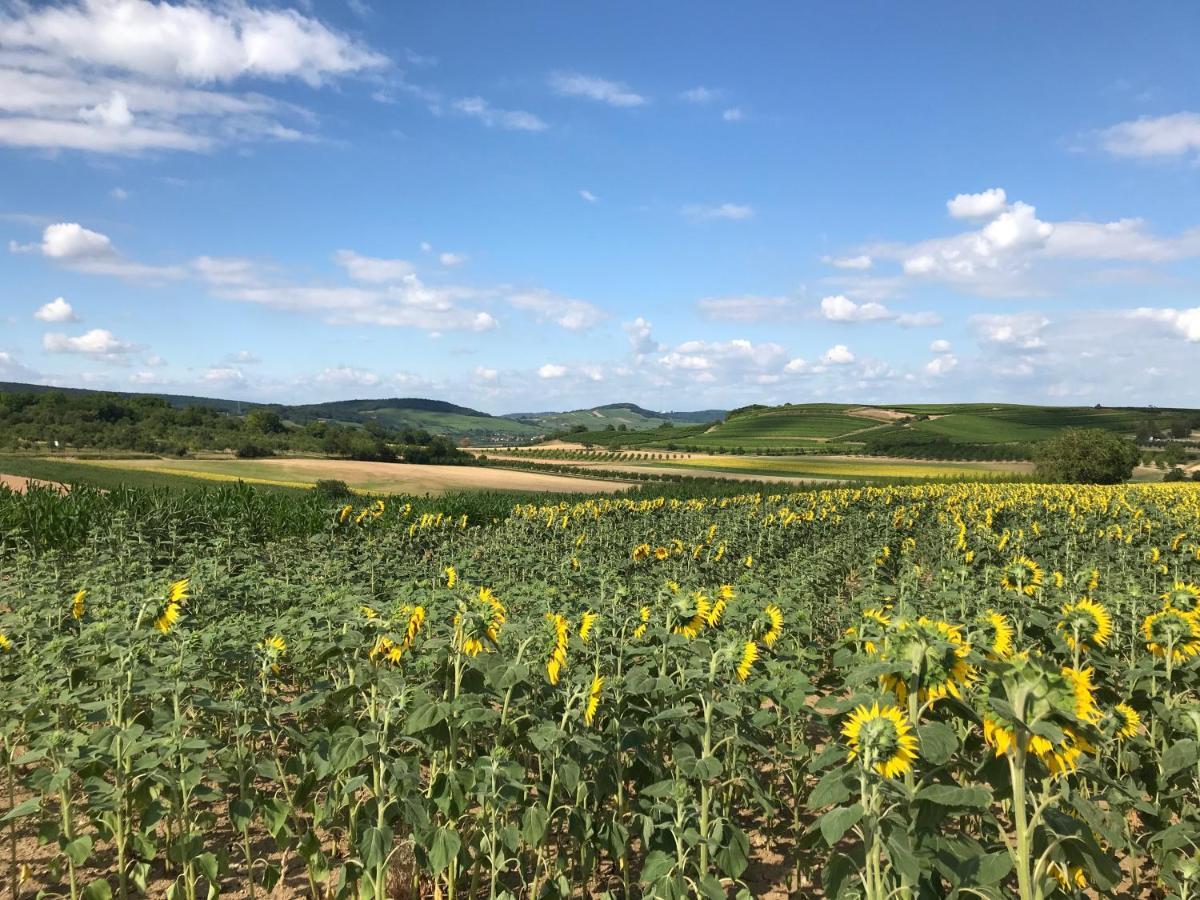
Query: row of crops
[(932, 691)]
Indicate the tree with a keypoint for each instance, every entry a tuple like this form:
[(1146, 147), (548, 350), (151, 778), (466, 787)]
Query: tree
[(1086, 456)]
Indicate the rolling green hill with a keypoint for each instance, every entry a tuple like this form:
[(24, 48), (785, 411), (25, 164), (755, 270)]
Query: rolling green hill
[(629, 415)]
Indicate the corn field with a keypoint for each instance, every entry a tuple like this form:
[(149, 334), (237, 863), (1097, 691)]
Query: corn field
[(935, 691)]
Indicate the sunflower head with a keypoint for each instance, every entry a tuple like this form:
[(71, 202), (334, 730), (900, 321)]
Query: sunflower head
[(692, 611), (997, 634), (1184, 596), (1022, 575), (746, 663), (556, 655), (593, 699), (77, 605), (931, 654), (1124, 721), (478, 622), (1172, 632), (771, 624), (586, 623), (881, 739), (1085, 624)]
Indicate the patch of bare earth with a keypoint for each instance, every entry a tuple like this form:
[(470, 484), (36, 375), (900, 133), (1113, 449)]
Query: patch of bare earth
[(19, 483)]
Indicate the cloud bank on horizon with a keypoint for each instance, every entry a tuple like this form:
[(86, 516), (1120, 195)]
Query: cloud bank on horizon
[(328, 199)]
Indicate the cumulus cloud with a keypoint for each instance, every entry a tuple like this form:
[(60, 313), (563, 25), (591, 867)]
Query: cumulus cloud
[(483, 373), (733, 114), (99, 343), (123, 76), (84, 250), (838, 355), (697, 212), (492, 117), (984, 205), (641, 337), (552, 370), (943, 364), (588, 196), (701, 95), (57, 310), (1022, 331), (839, 308), (566, 312), (860, 262), (244, 358), (1174, 135), (614, 93), (372, 269), (347, 376), (941, 345), (746, 308), (1185, 322), (450, 260)]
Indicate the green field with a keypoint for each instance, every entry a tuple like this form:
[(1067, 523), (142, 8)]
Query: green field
[(818, 467), (111, 474), (991, 424)]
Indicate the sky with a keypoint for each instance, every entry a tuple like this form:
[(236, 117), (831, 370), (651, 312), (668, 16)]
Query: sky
[(538, 205)]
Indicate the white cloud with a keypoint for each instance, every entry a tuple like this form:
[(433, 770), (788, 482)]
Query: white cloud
[(860, 262), (84, 250), (641, 338), (12, 370), (797, 366), (155, 361), (123, 76), (733, 114), (225, 375), (697, 212), (57, 310), (839, 308), (1173, 135), (119, 194), (941, 365), (838, 355), (449, 260), (551, 370), (372, 269), (940, 346), (1185, 322), (701, 95), (566, 312), (492, 117), (746, 308), (614, 93), (588, 196), (1020, 330), (145, 378), (483, 373), (99, 343), (244, 358), (984, 205), (347, 376)]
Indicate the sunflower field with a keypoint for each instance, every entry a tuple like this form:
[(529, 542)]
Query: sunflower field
[(934, 691)]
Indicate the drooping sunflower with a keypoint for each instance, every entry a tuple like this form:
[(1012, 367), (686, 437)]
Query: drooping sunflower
[(416, 619), (344, 514), (640, 552), (724, 595), (557, 660), (593, 700), (935, 653), (1022, 575), (168, 616), (586, 623), (479, 620), (1183, 596), (774, 624), (451, 576), (1087, 621), (1127, 722), (998, 633), (1172, 631), (693, 614), (5, 643), (882, 739), (749, 655), (274, 644), (644, 615), (77, 605), (178, 591), (1086, 709), (1069, 877)]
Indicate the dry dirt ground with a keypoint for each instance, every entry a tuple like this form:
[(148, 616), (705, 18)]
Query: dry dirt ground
[(19, 483)]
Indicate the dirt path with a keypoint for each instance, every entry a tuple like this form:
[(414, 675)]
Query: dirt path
[(19, 483)]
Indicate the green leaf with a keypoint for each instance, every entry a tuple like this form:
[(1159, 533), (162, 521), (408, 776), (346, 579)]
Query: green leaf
[(28, 808), (1179, 756), (657, 865), (78, 850), (833, 789), (426, 716), (838, 871), (710, 888), (837, 822), (954, 795), (938, 742), (97, 890), (374, 845), (533, 825), (443, 849), (734, 857), (994, 867)]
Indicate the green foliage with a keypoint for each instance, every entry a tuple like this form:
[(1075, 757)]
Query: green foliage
[(1086, 456)]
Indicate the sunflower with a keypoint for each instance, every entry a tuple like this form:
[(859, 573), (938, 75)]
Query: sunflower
[(693, 615), (451, 576), (882, 739), (479, 621), (586, 623), (368, 613), (640, 552), (1086, 621), (935, 654), (558, 653), (274, 645), (1069, 876), (1172, 631), (644, 615), (1127, 721), (661, 553), (999, 632), (344, 514), (77, 605), (377, 509), (749, 655), (1022, 575), (416, 618), (593, 700), (5, 643), (724, 595), (178, 591), (168, 616), (1183, 596), (1080, 680), (774, 624)]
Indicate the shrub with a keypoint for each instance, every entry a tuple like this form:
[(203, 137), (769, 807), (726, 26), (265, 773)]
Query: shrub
[(1086, 456)]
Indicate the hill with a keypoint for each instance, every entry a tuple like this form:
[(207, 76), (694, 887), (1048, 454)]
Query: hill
[(626, 416)]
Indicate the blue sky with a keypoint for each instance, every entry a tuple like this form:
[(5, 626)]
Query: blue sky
[(539, 205)]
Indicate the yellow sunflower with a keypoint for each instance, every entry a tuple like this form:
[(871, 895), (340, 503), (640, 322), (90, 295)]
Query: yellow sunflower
[(593, 700), (1080, 680), (479, 621), (1171, 631), (693, 614), (1087, 622), (644, 615), (749, 655), (1022, 575), (1128, 722), (936, 654), (586, 623), (1183, 596), (999, 633), (882, 739), (77, 605), (558, 653), (774, 624)]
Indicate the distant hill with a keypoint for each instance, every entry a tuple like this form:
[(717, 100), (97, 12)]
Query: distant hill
[(598, 418)]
